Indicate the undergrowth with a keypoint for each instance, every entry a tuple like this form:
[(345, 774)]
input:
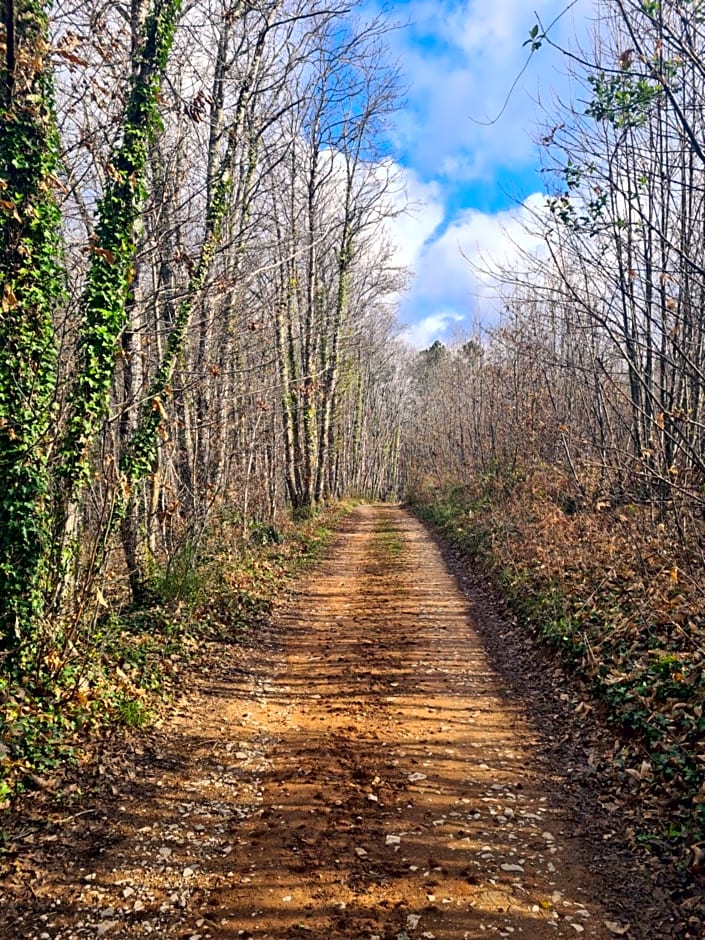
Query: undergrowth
[(609, 591), (222, 590)]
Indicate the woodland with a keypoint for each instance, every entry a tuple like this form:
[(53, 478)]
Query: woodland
[(201, 366)]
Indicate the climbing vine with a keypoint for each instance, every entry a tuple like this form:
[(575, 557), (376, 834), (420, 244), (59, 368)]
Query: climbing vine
[(622, 100), (32, 529), (31, 286), (113, 251), (141, 456)]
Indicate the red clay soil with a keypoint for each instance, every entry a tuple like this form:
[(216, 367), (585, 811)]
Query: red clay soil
[(359, 772)]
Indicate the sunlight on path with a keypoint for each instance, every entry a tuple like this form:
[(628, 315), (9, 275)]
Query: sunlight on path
[(359, 775)]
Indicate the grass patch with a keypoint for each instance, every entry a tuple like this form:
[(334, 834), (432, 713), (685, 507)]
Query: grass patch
[(388, 544)]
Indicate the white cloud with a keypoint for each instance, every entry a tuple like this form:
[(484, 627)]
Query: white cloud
[(419, 211), (421, 335), (454, 275), (461, 58), (489, 242)]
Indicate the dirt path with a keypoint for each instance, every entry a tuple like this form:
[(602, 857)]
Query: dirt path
[(359, 774)]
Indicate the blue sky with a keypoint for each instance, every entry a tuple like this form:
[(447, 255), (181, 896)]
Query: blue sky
[(475, 182)]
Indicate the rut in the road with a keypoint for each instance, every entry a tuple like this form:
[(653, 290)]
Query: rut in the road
[(365, 777)]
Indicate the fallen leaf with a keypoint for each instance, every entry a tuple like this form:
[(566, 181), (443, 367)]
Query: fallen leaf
[(103, 928), (9, 300), (618, 930)]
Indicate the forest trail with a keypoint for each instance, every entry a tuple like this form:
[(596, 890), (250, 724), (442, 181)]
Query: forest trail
[(359, 774)]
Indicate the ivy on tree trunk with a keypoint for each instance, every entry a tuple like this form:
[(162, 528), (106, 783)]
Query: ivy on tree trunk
[(111, 271), (31, 286)]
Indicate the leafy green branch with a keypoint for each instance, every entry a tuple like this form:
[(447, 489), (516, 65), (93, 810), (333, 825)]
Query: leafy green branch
[(536, 38), (622, 100)]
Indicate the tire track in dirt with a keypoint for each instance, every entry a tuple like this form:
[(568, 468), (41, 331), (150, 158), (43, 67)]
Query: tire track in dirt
[(362, 777)]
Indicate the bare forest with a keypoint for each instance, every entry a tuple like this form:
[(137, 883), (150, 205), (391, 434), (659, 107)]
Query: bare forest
[(196, 308), (571, 458), (201, 365)]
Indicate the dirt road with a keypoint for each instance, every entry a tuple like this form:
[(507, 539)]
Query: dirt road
[(359, 774)]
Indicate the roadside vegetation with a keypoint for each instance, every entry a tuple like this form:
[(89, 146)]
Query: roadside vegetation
[(593, 585), (198, 344), (563, 447), (136, 659), (195, 323)]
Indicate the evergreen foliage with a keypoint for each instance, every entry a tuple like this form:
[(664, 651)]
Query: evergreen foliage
[(31, 286)]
